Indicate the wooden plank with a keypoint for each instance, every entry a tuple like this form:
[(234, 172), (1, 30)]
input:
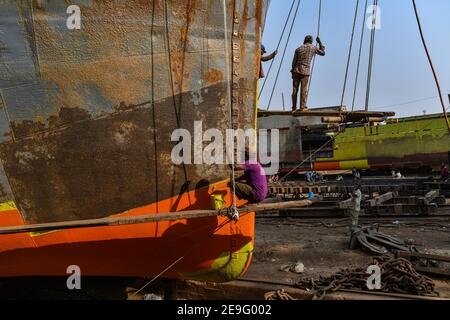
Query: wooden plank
[(249, 289), (381, 199), (147, 218), (431, 196)]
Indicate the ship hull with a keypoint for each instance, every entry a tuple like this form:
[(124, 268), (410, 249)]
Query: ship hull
[(87, 126), (413, 143)]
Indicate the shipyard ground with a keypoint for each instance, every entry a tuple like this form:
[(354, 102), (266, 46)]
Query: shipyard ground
[(321, 244)]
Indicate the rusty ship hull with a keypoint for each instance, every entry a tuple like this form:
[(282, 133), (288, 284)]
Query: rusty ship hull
[(86, 122)]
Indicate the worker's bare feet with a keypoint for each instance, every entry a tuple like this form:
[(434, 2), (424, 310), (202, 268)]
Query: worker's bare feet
[(304, 109)]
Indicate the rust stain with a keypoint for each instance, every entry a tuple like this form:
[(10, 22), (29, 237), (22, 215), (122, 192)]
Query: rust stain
[(212, 76), (73, 163)]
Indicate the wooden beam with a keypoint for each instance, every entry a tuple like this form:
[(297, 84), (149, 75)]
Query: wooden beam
[(328, 113), (147, 218), (382, 199), (431, 196)]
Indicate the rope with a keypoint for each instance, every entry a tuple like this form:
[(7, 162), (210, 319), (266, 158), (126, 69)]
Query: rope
[(431, 64), (371, 51), (318, 34), (406, 103), (230, 100), (349, 53), (189, 251), (284, 53), (311, 156), (278, 46), (359, 55), (177, 116)]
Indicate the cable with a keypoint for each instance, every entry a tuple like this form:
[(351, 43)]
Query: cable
[(189, 251), (359, 55), (371, 51), (313, 154), (350, 53), (230, 100), (284, 53), (177, 116), (431, 64), (406, 103), (318, 34), (278, 46)]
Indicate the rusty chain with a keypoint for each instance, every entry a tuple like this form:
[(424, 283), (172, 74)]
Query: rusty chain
[(397, 276), (278, 295)]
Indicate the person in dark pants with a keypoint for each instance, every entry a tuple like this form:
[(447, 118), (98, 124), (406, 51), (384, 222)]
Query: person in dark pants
[(252, 185), (444, 172), (301, 70)]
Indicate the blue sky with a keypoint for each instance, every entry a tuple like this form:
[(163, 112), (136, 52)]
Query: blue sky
[(401, 72)]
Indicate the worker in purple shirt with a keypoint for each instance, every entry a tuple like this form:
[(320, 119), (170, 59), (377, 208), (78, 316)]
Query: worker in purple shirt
[(252, 185)]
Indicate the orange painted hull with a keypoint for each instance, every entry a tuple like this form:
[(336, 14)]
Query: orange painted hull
[(141, 250)]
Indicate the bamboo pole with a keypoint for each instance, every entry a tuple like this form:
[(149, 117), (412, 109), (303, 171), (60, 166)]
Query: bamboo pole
[(147, 218)]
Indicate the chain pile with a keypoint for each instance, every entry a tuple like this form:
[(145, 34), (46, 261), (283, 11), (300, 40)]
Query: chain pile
[(278, 295), (397, 276)]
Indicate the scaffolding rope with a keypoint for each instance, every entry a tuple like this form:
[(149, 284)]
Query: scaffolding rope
[(431, 64), (361, 42), (349, 53), (278, 46), (371, 53), (284, 54), (197, 245), (318, 34)]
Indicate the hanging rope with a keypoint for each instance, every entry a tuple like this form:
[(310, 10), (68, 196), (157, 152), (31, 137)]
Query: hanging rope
[(196, 246), (372, 47), (349, 53), (318, 34), (278, 46), (359, 55), (230, 102), (284, 54), (431, 64)]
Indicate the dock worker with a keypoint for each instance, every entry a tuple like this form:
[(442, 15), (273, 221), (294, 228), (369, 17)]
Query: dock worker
[(444, 172), (265, 59), (301, 70), (252, 185), (355, 207)]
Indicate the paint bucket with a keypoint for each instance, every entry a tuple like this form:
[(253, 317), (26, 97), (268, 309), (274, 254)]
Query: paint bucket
[(217, 201)]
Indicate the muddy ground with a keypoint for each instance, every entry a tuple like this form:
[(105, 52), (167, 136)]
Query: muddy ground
[(322, 245)]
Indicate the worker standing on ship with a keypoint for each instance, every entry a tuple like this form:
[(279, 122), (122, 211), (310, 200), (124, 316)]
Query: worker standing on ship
[(301, 70), (252, 185), (265, 59)]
